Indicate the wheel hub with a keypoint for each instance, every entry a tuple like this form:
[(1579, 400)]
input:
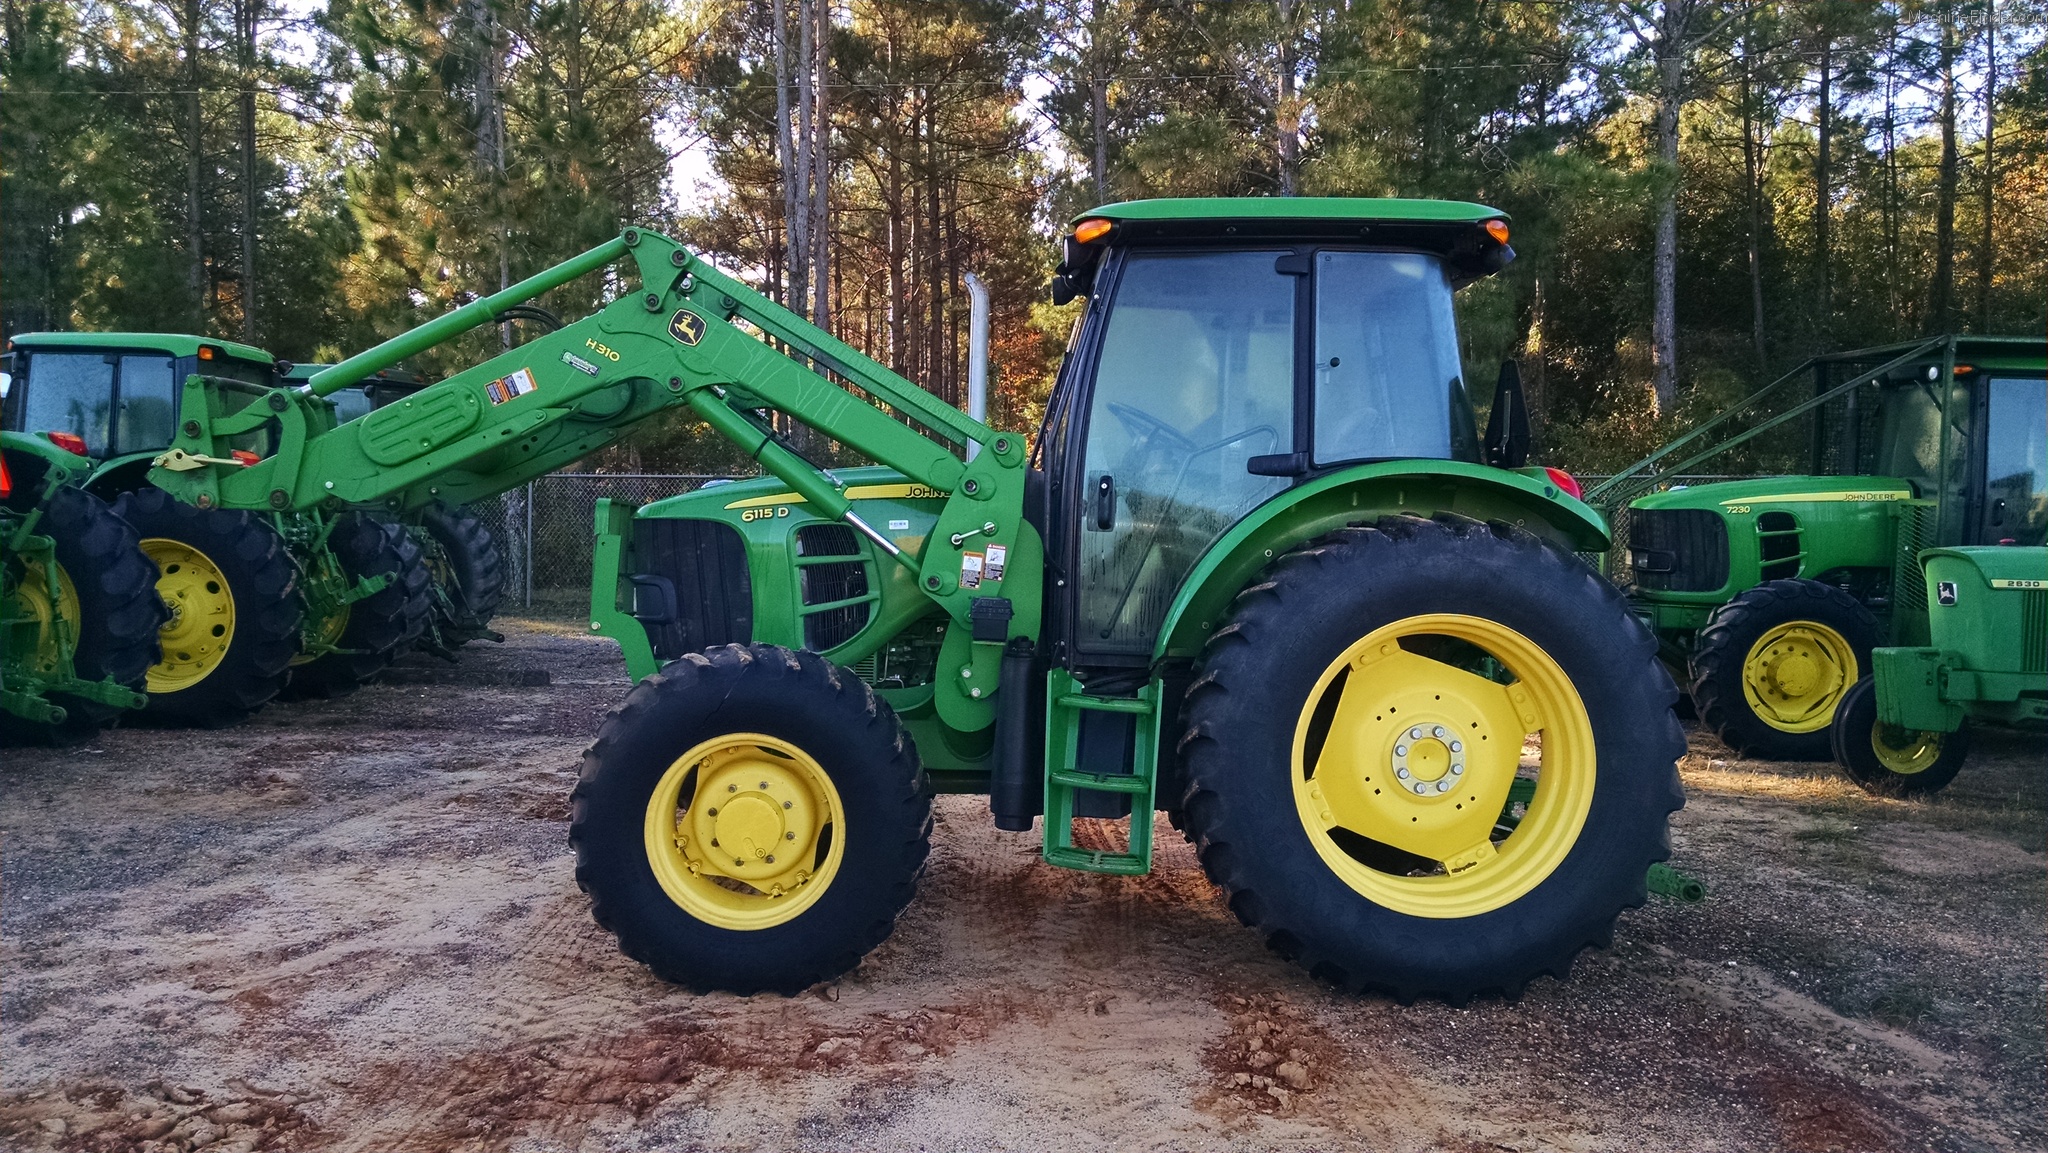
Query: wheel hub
[(1795, 675), (1428, 760), (746, 844)]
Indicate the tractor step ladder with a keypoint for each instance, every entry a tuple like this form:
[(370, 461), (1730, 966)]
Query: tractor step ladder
[(1065, 702)]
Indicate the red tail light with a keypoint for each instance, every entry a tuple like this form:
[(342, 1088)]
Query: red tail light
[(1565, 481), (245, 456), (68, 441), (6, 480)]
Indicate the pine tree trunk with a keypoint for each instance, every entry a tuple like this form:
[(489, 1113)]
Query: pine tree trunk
[(1286, 113), (785, 155), (1988, 252), (800, 219), (1823, 200), (1941, 289), (195, 229), (1664, 270), (247, 12), (1752, 166), (821, 170)]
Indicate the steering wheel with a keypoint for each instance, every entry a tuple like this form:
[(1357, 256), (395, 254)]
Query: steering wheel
[(1143, 426)]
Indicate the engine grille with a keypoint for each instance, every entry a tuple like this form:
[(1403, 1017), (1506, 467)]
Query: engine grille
[(2034, 631), (690, 585), (830, 582), (1681, 550)]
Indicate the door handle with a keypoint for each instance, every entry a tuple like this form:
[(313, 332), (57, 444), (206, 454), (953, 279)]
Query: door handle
[(1105, 502)]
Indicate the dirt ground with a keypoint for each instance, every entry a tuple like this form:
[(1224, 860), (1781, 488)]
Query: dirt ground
[(351, 925)]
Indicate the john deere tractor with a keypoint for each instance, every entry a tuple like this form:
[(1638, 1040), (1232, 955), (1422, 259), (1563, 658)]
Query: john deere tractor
[(1904, 730), (261, 601), (1259, 568), (1768, 595)]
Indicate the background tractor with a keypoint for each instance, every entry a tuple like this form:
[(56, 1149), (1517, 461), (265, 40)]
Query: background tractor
[(1767, 595), (261, 601), (1259, 569), (1904, 730)]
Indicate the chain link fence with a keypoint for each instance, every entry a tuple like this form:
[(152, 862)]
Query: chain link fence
[(545, 529)]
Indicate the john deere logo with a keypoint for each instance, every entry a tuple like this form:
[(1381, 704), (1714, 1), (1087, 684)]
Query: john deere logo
[(686, 326), (1945, 592)]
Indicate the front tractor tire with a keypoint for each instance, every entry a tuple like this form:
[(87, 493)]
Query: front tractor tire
[(370, 633), (1888, 760), (750, 819), (107, 595), (233, 596), (1773, 665), (1432, 758), (468, 571)]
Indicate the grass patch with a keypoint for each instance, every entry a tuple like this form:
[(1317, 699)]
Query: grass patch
[(1902, 1005)]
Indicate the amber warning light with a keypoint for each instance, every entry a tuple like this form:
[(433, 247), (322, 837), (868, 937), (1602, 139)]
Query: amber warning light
[(1498, 229), (1090, 231)]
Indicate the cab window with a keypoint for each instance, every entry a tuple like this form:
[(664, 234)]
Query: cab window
[(2016, 461), (1195, 376), (148, 405), (70, 392), (1387, 370)]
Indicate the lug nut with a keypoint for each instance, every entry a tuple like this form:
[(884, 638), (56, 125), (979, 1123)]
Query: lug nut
[(789, 804), (1443, 786), (732, 788), (771, 858), (1400, 750), (1402, 773), (1415, 733), (789, 836), (1421, 788), (764, 784), (1437, 731), (711, 812), (1457, 746)]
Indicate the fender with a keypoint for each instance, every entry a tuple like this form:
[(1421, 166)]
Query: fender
[(1361, 495)]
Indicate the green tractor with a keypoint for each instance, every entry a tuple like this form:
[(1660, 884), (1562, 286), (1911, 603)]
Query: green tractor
[(1903, 730), (1768, 595), (1259, 569), (79, 614), (262, 601)]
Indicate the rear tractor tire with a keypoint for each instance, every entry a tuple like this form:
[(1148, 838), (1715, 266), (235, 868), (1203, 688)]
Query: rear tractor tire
[(1432, 758), (750, 818), (234, 602), (469, 573), (1888, 760), (372, 632), (108, 593), (1773, 665)]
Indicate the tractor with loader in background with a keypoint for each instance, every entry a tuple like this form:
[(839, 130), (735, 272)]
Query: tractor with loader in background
[(1768, 595), (1260, 569)]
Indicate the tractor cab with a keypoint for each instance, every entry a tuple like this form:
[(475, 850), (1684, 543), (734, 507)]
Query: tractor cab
[(1230, 351), (363, 397), (113, 397)]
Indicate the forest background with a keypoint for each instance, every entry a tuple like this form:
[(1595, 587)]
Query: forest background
[(1704, 192)]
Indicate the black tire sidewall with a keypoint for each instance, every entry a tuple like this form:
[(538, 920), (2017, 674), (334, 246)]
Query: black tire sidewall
[(1734, 629), (1344, 593), (872, 766), (119, 613), (1850, 738), (251, 558)]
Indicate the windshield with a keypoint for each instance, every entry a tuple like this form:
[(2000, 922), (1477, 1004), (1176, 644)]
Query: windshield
[(2016, 461)]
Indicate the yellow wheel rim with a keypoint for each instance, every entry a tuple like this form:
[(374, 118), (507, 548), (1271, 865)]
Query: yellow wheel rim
[(1795, 675), (327, 634), (745, 831), (1420, 755), (33, 603), (202, 625), (1904, 751)]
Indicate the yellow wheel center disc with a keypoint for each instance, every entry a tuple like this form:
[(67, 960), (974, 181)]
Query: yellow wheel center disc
[(1795, 675), (202, 625), (1905, 751), (1428, 760), (32, 598), (742, 831)]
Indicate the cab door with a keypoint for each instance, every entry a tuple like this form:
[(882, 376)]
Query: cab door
[(1194, 376), (2014, 506)]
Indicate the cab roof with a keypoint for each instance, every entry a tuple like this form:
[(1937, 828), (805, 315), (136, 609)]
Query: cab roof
[(175, 344), (1328, 209)]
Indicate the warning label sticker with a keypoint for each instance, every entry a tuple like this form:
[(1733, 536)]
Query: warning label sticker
[(993, 567), (970, 570), (579, 364), (510, 387)]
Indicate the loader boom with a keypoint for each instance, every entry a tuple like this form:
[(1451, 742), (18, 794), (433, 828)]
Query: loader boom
[(676, 341)]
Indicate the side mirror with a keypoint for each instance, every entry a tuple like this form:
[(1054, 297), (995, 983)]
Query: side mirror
[(1507, 426)]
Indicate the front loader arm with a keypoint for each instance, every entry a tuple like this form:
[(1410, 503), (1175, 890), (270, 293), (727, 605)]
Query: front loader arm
[(676, 341)]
